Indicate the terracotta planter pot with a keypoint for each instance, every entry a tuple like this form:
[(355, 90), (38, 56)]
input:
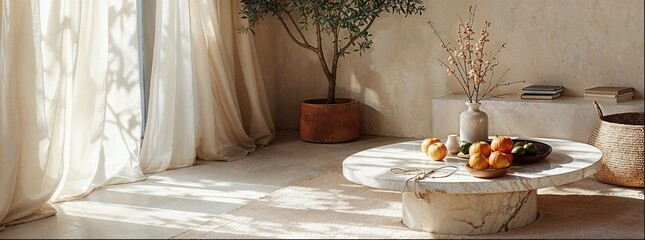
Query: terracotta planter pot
[(329, 123)]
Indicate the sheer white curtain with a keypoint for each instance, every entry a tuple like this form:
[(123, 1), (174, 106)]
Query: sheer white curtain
[(69, 102), (30, 166), (207, 94), (104, 101), (70, 96), (169, 140)]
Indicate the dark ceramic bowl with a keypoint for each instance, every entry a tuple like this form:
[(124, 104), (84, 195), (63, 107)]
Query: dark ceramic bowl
[(543, 151)]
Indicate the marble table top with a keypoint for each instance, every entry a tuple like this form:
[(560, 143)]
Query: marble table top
[(568, 162)]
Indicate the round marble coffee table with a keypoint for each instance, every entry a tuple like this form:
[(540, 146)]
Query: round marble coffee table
[(463, 204)]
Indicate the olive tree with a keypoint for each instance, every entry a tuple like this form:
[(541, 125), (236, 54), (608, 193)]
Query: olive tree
[(344, 24)]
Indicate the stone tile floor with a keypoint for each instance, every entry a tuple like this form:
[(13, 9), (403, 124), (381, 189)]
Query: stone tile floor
[(170, 202)]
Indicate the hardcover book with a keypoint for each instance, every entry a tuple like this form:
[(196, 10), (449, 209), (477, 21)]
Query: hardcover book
[(542, 88), (609, 90), (609, 100), (540, 96), (547, 92), (609, 95)]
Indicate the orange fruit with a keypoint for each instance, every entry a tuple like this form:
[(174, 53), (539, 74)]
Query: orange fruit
[(437, 151), (478, 161), (499, 160), (480, 147), (502, 144), (426, 143)]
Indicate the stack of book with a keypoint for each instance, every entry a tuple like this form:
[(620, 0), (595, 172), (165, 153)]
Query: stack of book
[(609, 94), (541, 92)]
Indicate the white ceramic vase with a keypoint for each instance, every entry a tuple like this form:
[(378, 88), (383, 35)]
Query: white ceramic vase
[(473, 124), (452, 144)]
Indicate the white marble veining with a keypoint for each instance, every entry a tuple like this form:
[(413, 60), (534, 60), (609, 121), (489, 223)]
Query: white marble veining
[(568, 162), (463, 204), (469, 214)]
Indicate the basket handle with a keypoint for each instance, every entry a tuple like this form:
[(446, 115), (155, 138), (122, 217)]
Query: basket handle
[(598, 110)]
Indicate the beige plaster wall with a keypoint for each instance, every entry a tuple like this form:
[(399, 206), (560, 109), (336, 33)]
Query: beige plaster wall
[(574, 43)]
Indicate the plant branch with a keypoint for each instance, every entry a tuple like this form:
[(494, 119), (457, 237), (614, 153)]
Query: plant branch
[(495, 96), (334, 66), (304, 39), (445, 65), (476, 87), (353, 38), (492, 75), (499, 83), (302, 44), (321, 53), (443, 43), (472, 18), (447, 49), (465, 65)]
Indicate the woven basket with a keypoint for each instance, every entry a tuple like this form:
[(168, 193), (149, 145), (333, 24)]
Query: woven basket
[(620, 139)]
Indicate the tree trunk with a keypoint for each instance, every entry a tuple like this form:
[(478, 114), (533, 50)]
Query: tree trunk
[(331, 90)]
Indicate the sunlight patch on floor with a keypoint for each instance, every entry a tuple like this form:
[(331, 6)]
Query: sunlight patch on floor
[(190, 181), (232, 196), (134, 214)]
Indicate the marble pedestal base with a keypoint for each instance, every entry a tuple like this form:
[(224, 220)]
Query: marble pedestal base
[(469, 214)]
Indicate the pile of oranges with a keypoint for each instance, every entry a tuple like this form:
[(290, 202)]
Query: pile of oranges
[(496, 155)]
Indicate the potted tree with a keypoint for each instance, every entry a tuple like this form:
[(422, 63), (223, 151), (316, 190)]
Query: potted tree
[(345, 24)]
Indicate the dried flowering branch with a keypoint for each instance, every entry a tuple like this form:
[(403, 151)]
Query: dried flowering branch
[(470, 64)]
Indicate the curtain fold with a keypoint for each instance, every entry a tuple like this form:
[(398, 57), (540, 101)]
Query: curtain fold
[(230, 111), (234, 113), (103, 95), (28, 174), (260, 123), (169, 140), (69, 102)]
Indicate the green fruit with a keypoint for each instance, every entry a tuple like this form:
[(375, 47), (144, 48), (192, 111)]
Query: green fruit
[(518, 151), (531, 149), (464, 147), (521, 144)]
